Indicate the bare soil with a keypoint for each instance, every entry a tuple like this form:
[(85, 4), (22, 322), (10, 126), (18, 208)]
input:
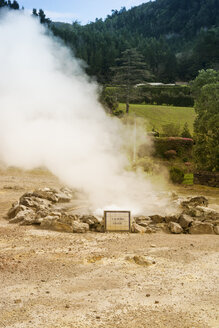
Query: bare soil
[(50, 279)]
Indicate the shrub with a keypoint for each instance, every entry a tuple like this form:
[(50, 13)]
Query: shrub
[(183, 146), (176, 175), (171, 130), (170, 153)]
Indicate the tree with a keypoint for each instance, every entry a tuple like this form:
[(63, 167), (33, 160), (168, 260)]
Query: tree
[(186, 133), (171, 130), (130, 71), (34, 13), (15, 5), (206, 127)]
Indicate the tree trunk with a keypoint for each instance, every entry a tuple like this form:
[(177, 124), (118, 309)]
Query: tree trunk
[(127, 108)]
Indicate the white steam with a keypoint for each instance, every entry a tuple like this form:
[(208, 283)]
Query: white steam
[(50, 116)]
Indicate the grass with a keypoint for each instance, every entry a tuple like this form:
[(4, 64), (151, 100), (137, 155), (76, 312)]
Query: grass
[(156, 116)]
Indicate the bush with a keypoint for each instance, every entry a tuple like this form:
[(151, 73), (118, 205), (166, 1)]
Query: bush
[(171, 130), (183, 146), (160, 95), (176, 175), (170, 153)]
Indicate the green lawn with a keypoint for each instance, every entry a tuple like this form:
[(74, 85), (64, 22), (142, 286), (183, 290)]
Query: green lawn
[(156, 116)]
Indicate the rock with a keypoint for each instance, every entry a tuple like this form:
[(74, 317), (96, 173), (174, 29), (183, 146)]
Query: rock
[(175, 227), (27, 215), (142, 260), (90, 219), (99, 227), (61, 227), (149, 230), (208, 212), (171, 218), (16, 208), (157, 218), (63, 198), (143, 220), (216, 229), (54, 223), (199, 227), (195, 201), (137, 228), (34, 202), (80, 227), (185, 221), (47, 193)]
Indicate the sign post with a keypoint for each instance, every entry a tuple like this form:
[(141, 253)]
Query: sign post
[(117, 221)]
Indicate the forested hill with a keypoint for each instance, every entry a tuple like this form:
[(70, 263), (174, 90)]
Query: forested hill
[(176, 38)]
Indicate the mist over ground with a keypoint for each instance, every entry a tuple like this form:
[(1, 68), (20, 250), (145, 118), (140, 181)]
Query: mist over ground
[(50, 117)]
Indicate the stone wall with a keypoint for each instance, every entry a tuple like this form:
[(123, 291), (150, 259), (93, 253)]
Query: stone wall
[(207, 178)]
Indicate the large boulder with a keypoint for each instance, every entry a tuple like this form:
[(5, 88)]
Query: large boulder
[(195, 201), (80, 227), (171, 218), (136, 228), (24, 217), (175, 228), (199, 227), (185, 221), (216, 229), (143, 220), (15, 209), (57, 224), (157, 218), (208, 213)]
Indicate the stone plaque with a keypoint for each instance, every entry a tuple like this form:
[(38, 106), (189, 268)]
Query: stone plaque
[(117, 221)]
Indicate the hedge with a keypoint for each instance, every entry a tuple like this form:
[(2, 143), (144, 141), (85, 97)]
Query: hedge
[(182, 146), (160, 95)]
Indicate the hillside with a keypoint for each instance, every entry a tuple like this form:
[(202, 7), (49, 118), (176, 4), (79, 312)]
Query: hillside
[(176, 38), (156, 116)]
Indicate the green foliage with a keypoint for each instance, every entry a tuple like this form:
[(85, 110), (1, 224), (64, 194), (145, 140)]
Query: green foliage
[(206, 126), (182, 146), (176, 38), (171, 130), (160, 95), (108, 99), (130, 70), (11, 5), (42, 16), (186, 133), (176, 175)]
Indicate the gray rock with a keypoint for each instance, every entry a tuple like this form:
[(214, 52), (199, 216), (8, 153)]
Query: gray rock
[(199, 227), (195, 201), (171, 218), (54, 223), (208, 213), (90, 219), (136, 228), (16, 208), (175, 227), (27, 215), (143, 220), (142, 260), (157, 218), (80, 227), (185, 221)]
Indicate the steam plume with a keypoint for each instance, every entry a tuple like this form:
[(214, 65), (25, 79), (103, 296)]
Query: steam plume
[(50, 116)]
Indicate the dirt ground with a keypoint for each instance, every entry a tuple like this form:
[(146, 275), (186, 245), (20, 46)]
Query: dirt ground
[(50, 279)]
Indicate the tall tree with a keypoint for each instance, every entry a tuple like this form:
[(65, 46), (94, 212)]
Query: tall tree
[(131, 70), (206, 127)]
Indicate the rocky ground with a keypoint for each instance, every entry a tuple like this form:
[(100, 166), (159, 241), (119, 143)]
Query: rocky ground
[(53, 279)]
